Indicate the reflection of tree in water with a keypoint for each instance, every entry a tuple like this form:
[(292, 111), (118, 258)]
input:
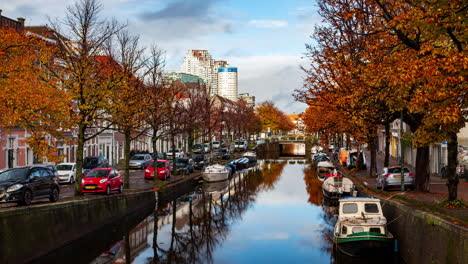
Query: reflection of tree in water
[(271, 173), (209, 218), (313, 185), (314, 189)]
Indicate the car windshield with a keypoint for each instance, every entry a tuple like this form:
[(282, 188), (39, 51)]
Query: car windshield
[(222, 151), (170, 151), (97, 174), (198, 158), (64, 167), (14, 175), (196, 146), (215, 142), (181, 162), (138, 158), (90, 163), (396, 170)]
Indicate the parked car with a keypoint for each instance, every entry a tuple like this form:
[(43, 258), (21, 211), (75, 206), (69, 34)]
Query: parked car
[(198, 148), (94, 162), (206, 147), (23, 185), (66, 172), (178, 153), (390, 177), (140, 161), (216, 144), (162, 167), (240, 145), (200, 161), (102, 180), (222, 153), (184, 166)]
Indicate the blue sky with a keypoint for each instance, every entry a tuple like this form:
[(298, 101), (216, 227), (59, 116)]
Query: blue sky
[(265, 39)]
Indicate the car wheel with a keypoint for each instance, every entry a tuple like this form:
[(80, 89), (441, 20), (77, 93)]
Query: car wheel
[(54, 195), (108, 190), (72, 180), (27, 198), (121, 188)]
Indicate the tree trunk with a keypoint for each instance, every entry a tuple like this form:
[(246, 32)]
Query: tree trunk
[(79, 158), (127, 160), (373, 156), (422, 169), (387, 145), (154, 140), (452, 162)]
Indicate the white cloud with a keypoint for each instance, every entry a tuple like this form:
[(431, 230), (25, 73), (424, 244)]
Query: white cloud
[(269, 23), (273, 77)]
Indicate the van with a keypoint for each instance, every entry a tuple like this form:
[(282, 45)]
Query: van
[(240, 145)]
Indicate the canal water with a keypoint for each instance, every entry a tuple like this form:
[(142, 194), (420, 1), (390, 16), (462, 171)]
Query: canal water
[(272, 213)]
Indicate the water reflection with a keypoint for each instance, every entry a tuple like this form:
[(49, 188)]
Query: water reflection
[(263, 215)]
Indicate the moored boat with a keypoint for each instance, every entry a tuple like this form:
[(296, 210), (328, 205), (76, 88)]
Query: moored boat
[(241, 163), (216, 172), (361, 228), (324, 168), (252, 156), (336, 186)]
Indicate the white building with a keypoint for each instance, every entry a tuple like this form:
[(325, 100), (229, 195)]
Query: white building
[(200, 63), (227, 83)]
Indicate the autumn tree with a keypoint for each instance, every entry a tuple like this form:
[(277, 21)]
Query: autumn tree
[(29, 97), (126, 111), (409, 58), (273, 118), (83, 72), (155, 95)]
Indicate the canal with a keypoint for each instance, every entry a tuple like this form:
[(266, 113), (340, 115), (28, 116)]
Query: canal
[(271, 213)]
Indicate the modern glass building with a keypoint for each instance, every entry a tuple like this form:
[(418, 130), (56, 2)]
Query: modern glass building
[(227, 82)]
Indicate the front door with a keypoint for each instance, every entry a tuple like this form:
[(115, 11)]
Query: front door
[(10, 158)]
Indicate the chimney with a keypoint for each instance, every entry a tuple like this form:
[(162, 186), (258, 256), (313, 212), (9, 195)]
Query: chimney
[(21, 20)]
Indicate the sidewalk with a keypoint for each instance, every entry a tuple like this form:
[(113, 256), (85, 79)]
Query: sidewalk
[(430, 200), (437, 186)]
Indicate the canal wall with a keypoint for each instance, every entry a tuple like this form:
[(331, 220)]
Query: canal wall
[(28, 233), (424, 237), (167, 193)]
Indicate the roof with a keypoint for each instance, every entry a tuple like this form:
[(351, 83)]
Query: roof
[(359, 199)]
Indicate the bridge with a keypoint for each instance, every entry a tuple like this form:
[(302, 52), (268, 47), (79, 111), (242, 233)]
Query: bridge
[(276, 146)]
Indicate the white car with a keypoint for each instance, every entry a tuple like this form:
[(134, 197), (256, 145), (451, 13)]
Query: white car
[(216, 144), (178, 153), (66, 172), (139, 161)]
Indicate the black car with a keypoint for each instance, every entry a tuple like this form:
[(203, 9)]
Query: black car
[(94, 162), (199, 161), (22, 185), (184, 166), (222, 153)]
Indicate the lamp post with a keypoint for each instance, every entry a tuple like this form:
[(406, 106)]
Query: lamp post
[(402, 163)]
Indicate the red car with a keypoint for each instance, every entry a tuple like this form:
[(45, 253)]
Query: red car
[(102, 180), (164, 169)]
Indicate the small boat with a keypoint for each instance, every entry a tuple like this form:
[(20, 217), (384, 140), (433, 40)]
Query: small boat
[(320, 157), (215, 187), (361, 228), (336, 186), (232, 167), (252, 156), (216, 172), (241, 163), (324, 168)]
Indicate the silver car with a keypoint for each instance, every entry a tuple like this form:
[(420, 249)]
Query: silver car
[(139, 161), (390, 177)]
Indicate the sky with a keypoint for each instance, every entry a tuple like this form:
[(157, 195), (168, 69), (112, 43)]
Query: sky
[(265, 39)]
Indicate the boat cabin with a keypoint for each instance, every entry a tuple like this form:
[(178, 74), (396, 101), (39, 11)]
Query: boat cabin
[(361, 214)]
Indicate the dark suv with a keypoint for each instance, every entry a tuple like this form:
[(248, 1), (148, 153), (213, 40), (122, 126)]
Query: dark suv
[(22, 185), (94, 162)]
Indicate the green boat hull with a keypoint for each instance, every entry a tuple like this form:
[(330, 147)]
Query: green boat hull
[(365, 244)]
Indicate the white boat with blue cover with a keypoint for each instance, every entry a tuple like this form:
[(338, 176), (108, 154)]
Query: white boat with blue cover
[(241, 163)]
